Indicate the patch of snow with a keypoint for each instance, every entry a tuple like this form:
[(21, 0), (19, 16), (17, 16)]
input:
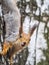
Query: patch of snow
[(27, 9), (26, 24), (37, 11), (38, 3), (27, 0), (48, 24), (0, 11), (40, 44)]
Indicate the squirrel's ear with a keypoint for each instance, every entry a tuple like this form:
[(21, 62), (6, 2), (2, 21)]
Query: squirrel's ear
[(32, 29), (20, 30)]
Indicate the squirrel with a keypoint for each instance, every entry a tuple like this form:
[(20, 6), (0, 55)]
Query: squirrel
[(11, 48)]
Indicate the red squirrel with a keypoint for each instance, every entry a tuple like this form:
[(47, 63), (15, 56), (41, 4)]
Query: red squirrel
[(18, 45)]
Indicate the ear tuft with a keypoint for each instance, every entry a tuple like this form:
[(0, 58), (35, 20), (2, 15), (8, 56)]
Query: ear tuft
[(33, 28)]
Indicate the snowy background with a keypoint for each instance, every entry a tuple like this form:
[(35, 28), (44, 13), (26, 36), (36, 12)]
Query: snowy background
[(41, 42)]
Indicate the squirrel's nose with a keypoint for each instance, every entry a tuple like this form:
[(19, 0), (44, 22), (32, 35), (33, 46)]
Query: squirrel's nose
[(23, 44)]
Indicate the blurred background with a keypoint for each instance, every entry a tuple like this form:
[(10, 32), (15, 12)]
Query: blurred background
[(32, 11)]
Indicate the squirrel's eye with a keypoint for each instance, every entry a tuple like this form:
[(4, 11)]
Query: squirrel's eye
[(23, 44)]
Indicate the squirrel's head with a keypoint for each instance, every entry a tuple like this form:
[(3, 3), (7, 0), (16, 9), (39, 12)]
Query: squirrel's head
[(24, 40), (19, 44)]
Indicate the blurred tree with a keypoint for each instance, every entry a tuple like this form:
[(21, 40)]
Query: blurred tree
[(46, 36)]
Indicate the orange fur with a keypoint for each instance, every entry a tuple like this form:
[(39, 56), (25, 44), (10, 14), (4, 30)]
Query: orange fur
[(25, 38), (17, 45)]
